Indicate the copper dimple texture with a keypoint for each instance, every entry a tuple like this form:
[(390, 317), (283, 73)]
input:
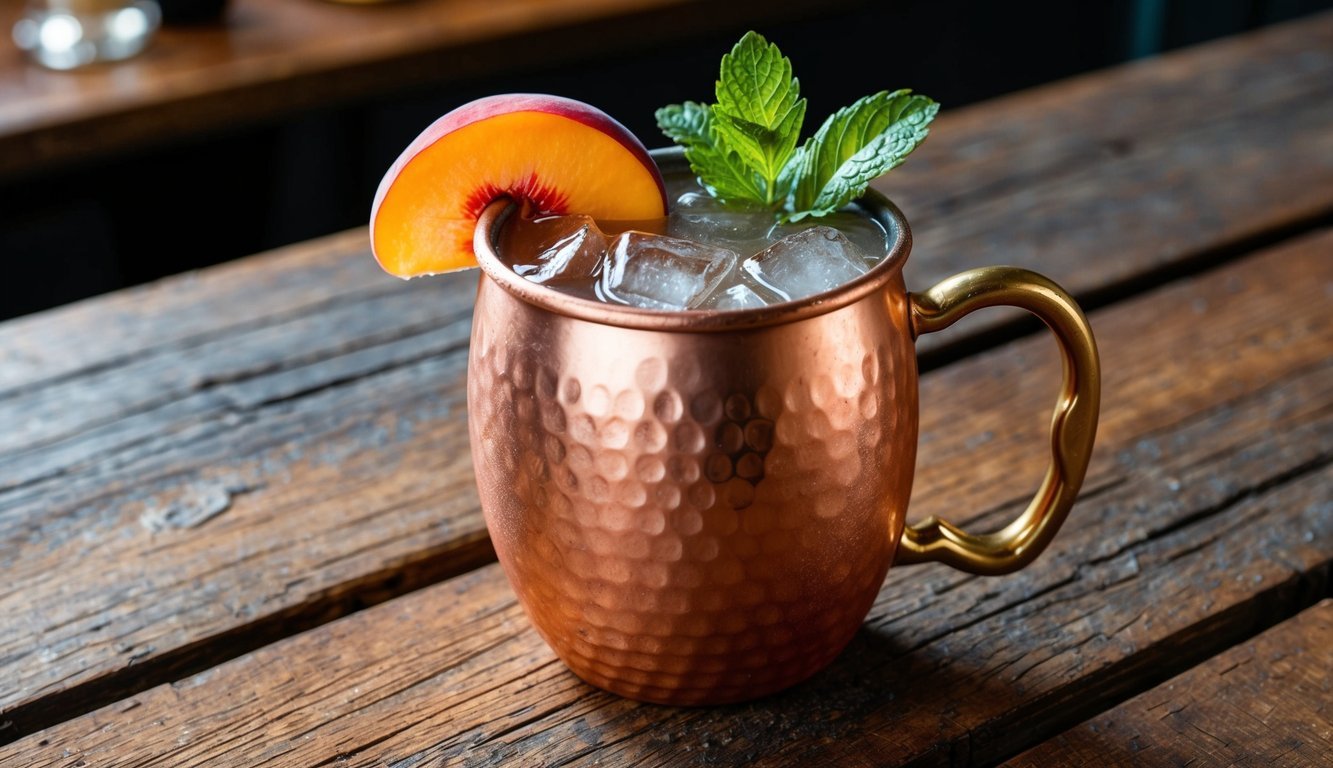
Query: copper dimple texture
[(694, 517)]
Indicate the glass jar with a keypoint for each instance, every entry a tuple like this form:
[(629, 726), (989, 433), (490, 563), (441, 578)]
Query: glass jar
[(66, 34)]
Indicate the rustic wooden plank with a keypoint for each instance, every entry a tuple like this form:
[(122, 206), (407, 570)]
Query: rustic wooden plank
[(1166, 210), (273, 58), (196, 441), (284, 519), (1267, 701), (178, 312), (1207, 518), (222, 369), (1174, 207)]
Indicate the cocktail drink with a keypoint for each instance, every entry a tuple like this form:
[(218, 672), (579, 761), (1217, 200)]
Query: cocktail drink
[(694, 424), (703, 256)]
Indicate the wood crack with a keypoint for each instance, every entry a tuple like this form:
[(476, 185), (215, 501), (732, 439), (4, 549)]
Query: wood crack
[(1241, 496), (431, 567), (217, 333), (205, 389)]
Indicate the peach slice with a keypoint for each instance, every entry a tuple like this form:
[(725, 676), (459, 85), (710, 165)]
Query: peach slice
[(556, 154)]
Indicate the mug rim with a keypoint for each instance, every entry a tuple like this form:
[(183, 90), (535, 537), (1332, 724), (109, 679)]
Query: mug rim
[(874, 204)]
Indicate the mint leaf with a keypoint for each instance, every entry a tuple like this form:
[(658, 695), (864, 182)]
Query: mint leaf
[(759, 111), (744, 147), (724, 175), (721, 172), (791, 173), (685, 124), (856, 145), (756, 81), (766, 150)]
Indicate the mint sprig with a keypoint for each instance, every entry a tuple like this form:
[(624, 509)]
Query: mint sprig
[(857, 145), (759, 110), (744, 147), (725, 175)]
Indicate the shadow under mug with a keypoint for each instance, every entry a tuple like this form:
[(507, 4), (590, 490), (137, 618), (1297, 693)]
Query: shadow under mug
[(700, 507)]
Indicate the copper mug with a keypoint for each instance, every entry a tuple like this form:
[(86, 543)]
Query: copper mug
[(700, 507)]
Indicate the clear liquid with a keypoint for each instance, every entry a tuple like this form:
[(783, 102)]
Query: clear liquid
[(701, 256)]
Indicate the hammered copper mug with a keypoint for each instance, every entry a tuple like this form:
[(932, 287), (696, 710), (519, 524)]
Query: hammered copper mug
[(700, 507)]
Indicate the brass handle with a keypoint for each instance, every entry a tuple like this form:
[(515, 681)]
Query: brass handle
[(1072, 428)]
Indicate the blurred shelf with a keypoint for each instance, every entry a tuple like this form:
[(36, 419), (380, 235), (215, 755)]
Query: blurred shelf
[(271, 58)]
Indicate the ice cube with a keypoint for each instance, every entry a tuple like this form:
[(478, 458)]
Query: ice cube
[(699, 217), (657, 272), (864, 232), (554, 249), (738, 296), (806, 263)]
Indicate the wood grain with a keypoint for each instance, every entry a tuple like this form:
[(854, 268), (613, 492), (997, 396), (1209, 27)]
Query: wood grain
[(199, 467), (182, 311), (1267, 701), (1206, 519), (1023, 180), (278, 57)]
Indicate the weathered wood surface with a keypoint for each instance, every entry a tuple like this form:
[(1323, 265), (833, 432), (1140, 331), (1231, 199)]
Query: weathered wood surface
[(1028, 173), (1206, 518), (183, 311), (1268, 701), (277, 57), (232, 489), (196, 468), (1005, 145)]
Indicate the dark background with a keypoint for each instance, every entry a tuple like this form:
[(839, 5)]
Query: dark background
[(85, 230)]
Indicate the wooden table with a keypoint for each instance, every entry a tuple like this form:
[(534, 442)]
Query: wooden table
[(238, 522)]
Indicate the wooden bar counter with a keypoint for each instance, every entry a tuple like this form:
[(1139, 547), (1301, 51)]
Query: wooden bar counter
[(238, 524)]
